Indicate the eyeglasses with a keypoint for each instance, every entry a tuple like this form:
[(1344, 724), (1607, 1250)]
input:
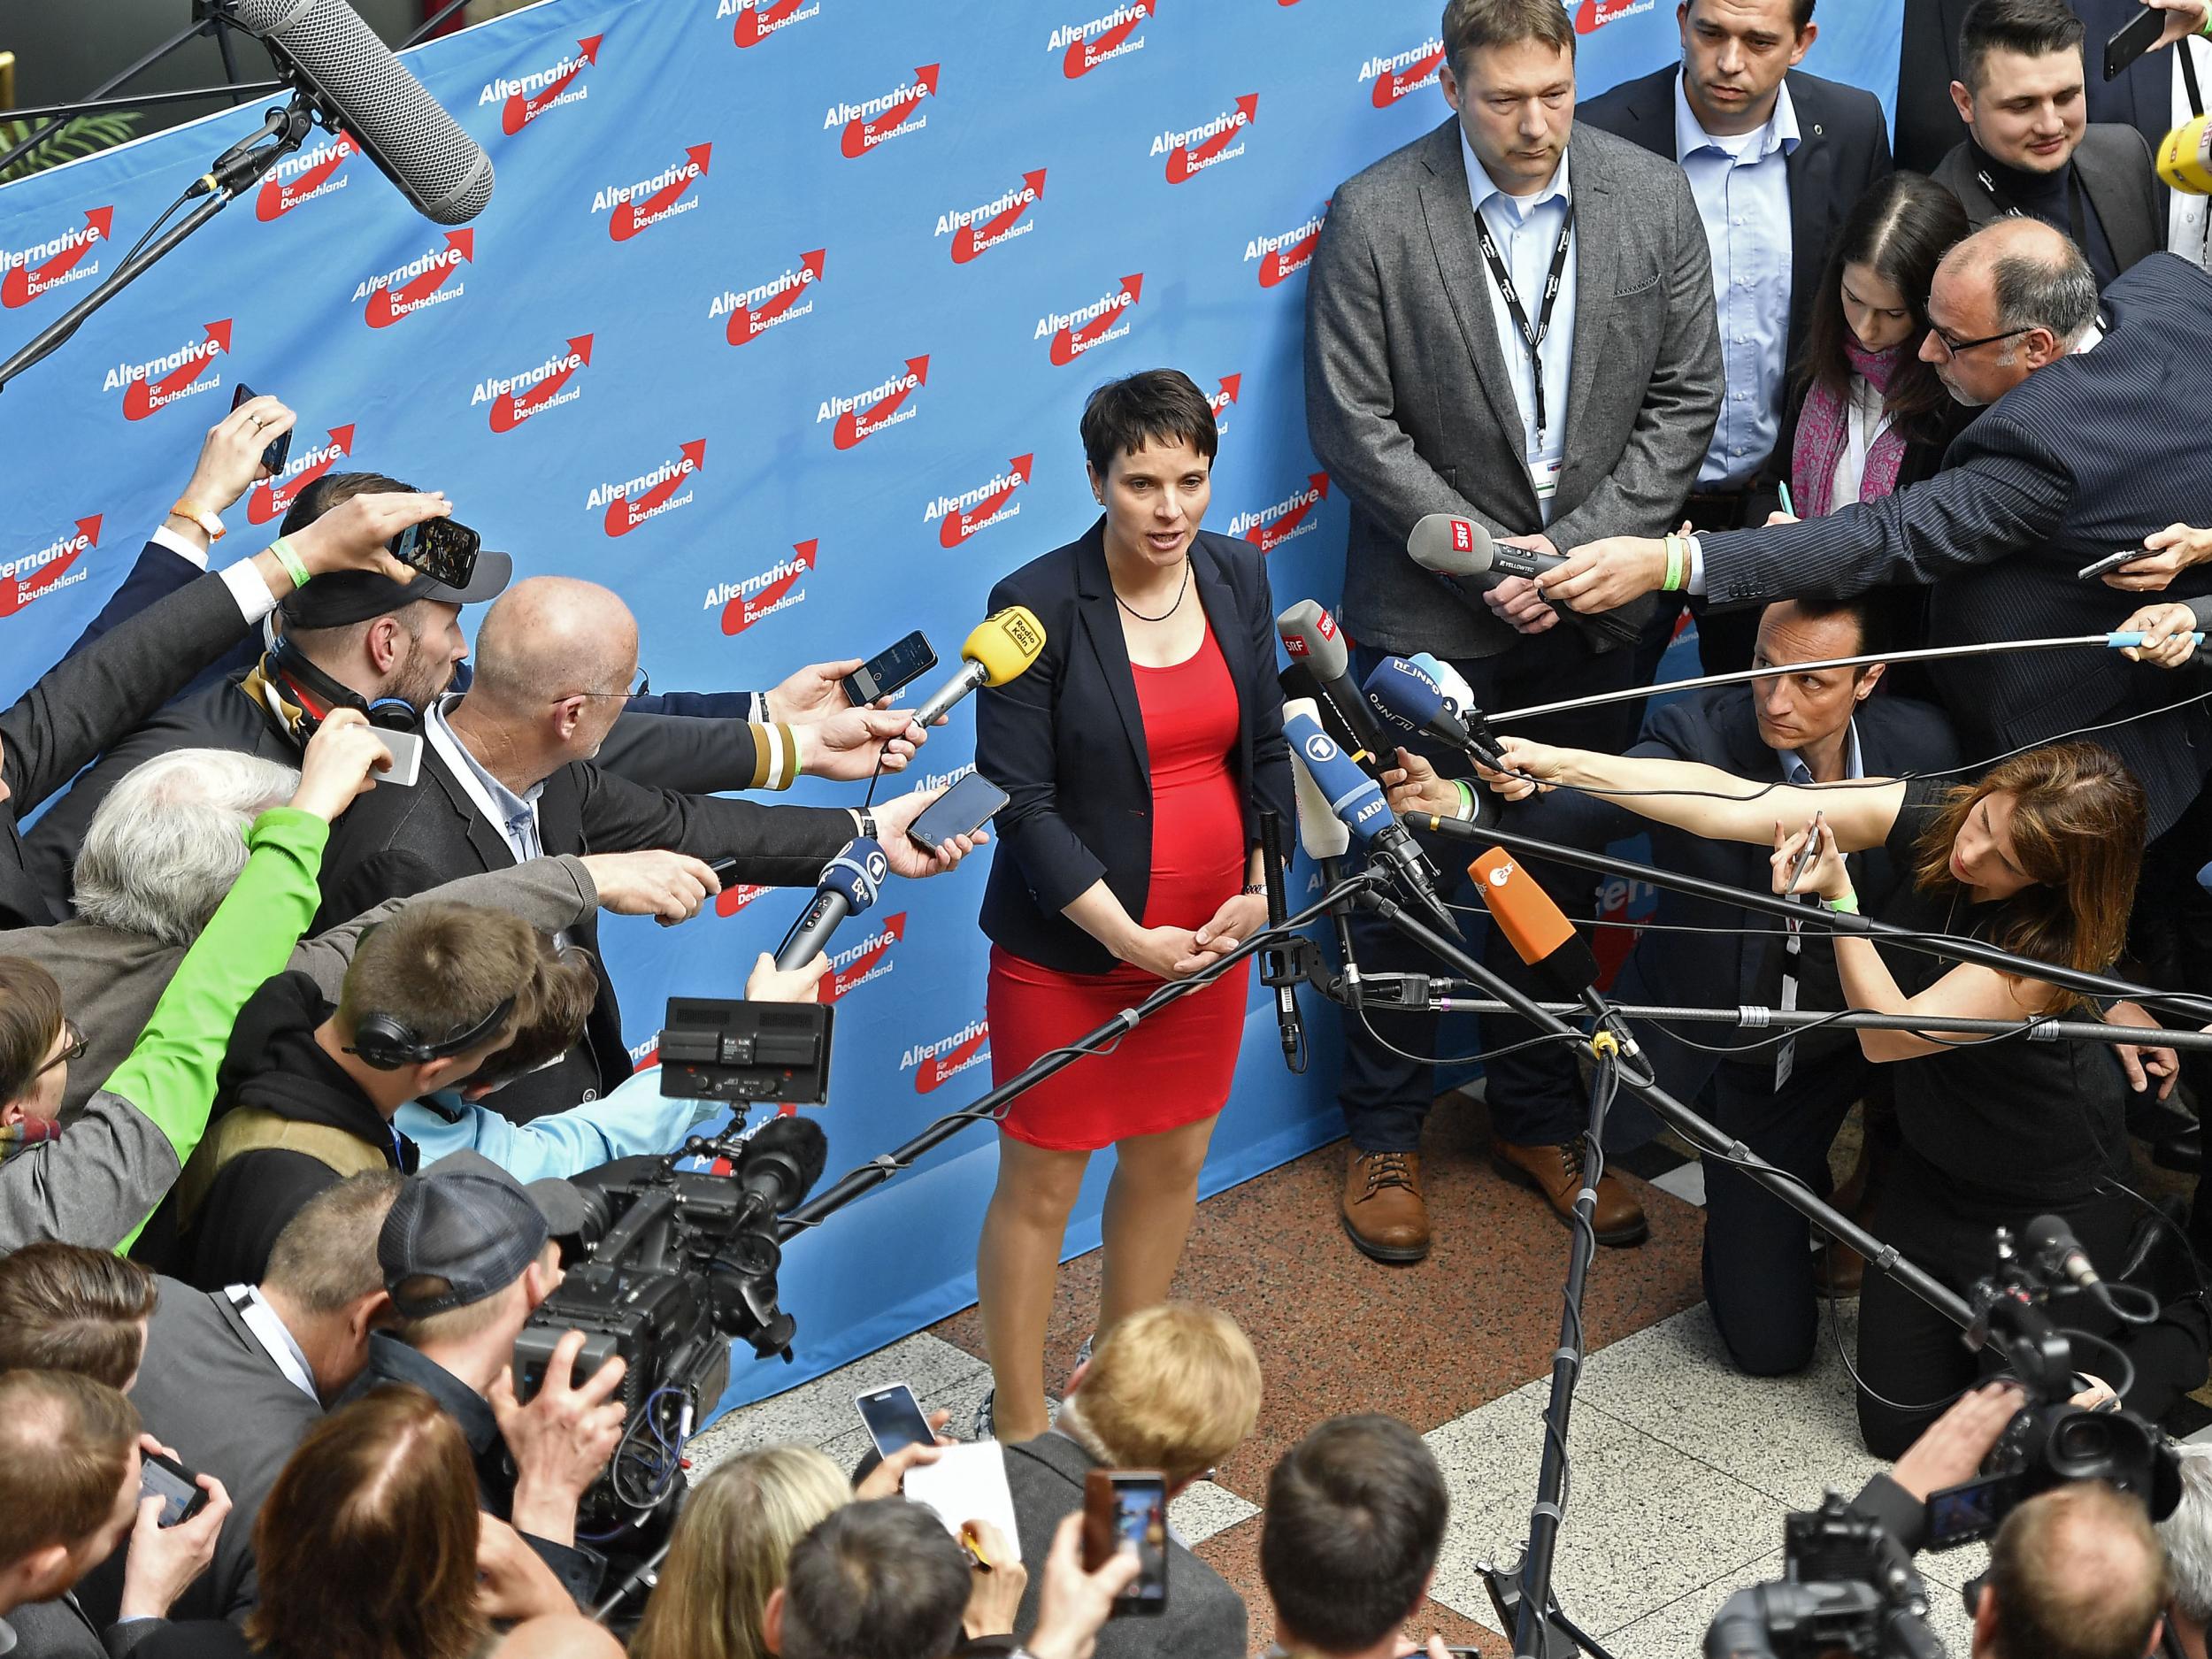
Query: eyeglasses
[(1952, 347), (641, 684), (75, 1051)]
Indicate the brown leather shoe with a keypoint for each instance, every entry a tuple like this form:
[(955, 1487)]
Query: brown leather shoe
[(1557, 1172), (1838, 1271), (1382, 1208)]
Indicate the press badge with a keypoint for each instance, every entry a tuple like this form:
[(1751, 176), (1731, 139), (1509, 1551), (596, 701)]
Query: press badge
[(1544, 475)]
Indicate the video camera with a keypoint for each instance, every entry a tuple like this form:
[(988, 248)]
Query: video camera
[(1848, 1587)]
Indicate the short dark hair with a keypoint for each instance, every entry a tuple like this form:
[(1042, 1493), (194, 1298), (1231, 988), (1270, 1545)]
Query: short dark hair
[(1152, 406), (876, 1580), (2031, 27), (1356, 1515), (549, 1014), (1867, 612), (438, 968), (1801, 13), (65, 1442), (30, 1019), (325, 1259), (1471, 25), (65, 1307), (2052, 1572), (333, 489), (2058, 292)]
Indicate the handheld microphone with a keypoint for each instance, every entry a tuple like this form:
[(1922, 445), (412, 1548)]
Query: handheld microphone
[(1533, 924), (326, 50), (1322, 833), (783, 1159), (1404, 697), (1448, 679), (1463, 553), (850, 884), (1300, 687), (1356, 802), (2185, 154), (1311, 636), (1278, 960), (2051, 1245), (998, 649)]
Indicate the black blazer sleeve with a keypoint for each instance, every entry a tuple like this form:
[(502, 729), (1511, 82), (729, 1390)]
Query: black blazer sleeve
[(693, 753), (775, 846)]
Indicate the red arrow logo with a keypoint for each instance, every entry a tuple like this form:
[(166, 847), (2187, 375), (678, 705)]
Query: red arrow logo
[(388, 305), (520, 111), (509, 409), (959, 526), (933, 1070), (746, 609), (1070, 344), (624, 515), (731, 899), (280, 197), (1595, 14), (1183, 164), (835, 985), (761, 18), (857, 424), (975, 239), (1086, 55), (20, 590), (748, 324), (273, 497), (1390, 85), (1267, 537), (26, 282), (145, 397), (1232, 385), (861, 136), (1284, 263), (633, 216)]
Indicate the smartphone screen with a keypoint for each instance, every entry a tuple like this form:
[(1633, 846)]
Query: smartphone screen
[(1128, 1508), (881, 676), (439, 549), (894, 1419), (173, 1482), (962, 809)]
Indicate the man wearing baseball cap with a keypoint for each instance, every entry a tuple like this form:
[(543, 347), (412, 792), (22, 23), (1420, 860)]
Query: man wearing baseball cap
[(468, 1255)]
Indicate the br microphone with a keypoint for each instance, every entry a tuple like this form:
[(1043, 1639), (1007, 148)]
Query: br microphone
[(1353, 799), (1403, 695), (848, 885), (1315, 642), (998, 649), (325, 49), (1322, 833)]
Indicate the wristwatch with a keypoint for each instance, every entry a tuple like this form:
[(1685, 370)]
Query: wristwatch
[(868, 823)]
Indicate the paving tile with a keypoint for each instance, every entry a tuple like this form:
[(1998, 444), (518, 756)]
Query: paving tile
[(1676, 1631), (822, 1410), (1204, 1510)]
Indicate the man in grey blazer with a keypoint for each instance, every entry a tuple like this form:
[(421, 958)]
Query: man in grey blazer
[(1510, 320)]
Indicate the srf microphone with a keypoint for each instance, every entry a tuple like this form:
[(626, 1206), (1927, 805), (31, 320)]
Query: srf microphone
[(1533, 924), (998, 649), (848, 885), (1311, 636), (325, 49), (1403, 695), (1462, 552), (2185, 154), (783, 1159), (1356, 802)]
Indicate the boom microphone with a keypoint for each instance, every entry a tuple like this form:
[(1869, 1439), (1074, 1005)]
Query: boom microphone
[(1311, 636), (848, 885), (2052, 1244), (1533, 924), (783, 1159), (998, 649), (1355, 802), (325, 49)]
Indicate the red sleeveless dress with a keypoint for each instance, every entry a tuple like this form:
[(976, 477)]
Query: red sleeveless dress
[(1174, 1069)]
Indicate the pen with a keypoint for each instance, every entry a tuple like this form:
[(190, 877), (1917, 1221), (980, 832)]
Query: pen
[(1788, 506), (968, 1542)]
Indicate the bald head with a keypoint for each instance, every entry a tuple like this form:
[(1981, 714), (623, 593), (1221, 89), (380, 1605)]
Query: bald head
[(558, 1636), (552, 637), (2010, 299), (2077, 1571)]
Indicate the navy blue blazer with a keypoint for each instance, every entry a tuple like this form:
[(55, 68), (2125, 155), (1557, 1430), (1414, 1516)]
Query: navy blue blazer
[(1065, 740)]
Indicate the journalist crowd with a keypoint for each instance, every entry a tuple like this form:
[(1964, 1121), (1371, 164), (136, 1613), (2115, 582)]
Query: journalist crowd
[(309, 1058)]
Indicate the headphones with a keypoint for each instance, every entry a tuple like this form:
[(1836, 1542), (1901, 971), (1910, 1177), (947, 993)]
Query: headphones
[(390, 714), (385, 1043)]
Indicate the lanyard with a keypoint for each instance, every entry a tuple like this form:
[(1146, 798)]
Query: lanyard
[(1532, 337), (2189, 78), (2079, 226)]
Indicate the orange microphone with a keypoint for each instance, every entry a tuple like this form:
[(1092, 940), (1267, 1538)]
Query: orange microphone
[(1533, 924)]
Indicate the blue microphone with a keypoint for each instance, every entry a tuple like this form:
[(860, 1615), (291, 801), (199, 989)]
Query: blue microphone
[(1404, 697), (1358, 804), (848, 885)]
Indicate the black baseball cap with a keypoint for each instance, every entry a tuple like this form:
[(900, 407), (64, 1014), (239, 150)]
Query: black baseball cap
[(346, 596), (472, 1224)]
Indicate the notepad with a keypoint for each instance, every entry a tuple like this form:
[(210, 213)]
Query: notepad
[(967, 1483)]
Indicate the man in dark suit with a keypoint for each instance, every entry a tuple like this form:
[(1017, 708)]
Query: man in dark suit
[(2164, 88), (2030, 148), (1424, 394), (1776, 158), (508, 774)]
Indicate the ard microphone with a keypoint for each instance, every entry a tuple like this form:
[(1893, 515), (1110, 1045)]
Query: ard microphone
[(1320, 832), (998, 649), (783, 1159), (1311, 635), (325, 49), (1403, 695), (848, 885), (1355, 802), (2185, 154), (1533, 924)]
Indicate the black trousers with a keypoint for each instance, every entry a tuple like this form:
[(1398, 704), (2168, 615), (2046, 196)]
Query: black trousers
[(1536, 1097)]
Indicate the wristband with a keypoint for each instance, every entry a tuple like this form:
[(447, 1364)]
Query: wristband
[(285, 556), (1467, 810), (1847, 905), (2206, 30), (206, 518), (1254, 889), (868, 823), (1677, 562)]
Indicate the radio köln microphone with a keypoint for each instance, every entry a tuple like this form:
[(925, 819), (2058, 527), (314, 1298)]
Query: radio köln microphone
[(1462, 552), (998, 649), (2185, 154), (848, 885), (1313, 640), (1322, 833), (326, 50), (1403, 695), (1353, 798)]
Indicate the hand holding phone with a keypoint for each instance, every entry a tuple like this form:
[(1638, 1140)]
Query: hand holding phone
[(893, 1418), (2136, 36), (442, 549), (161, 1476), (881, 676), (1127, 1508), (963, 808), (2096, 568), (273, 453)]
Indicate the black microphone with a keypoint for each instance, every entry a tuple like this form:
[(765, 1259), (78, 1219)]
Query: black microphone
[(2051, 1244), (782, 1161), (325, 49), (1300, 687), (848, 885), (1312, 638), (1275, 960), (1463, 553)]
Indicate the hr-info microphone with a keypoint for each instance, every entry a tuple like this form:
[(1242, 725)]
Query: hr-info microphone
[(1462, 552), (1311, 635), (325, 49), (1354, 799), (1403, 695), (848, 885), (1533, 924), (1322, 833), (998, 649), (2184, 156)]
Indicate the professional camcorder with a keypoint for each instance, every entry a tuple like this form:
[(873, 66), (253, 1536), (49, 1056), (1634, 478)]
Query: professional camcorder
[(1849, 1587)]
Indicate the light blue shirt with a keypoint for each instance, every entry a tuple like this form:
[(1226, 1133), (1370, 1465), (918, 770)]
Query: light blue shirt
[(1795, 771), (514, 816), (632, 1117), (1742, 188), (1526, 230)]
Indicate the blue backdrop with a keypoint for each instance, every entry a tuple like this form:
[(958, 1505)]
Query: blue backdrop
[(778, 323)]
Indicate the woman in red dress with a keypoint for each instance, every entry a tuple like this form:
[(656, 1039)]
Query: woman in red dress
[(1137, 752)]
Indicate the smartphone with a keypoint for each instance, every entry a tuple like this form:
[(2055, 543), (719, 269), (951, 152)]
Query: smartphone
[(405, 748), (2111, 562), (962, 809), (894, 1419), (2135, 38), (440, 548), (272, 458), (1128, 1506), (181, 1495), (881, 675)]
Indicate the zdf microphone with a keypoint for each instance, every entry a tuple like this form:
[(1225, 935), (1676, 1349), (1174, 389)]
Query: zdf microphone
[(1356, 802), (1533, 923), (998, 649), (848, 885), (2184, 156), (325, 49), (1315, 642)]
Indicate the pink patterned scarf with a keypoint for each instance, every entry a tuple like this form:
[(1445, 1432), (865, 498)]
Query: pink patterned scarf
[(1823, 427)]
